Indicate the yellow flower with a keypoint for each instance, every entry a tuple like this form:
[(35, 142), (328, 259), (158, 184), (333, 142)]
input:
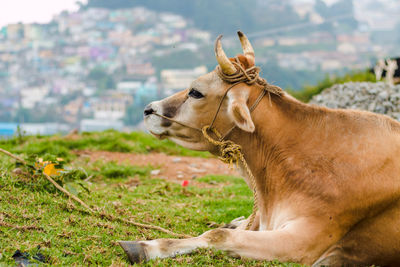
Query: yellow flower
[(50, 169)]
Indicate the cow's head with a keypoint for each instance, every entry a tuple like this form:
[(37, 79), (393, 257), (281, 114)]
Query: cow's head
[(197, 105)]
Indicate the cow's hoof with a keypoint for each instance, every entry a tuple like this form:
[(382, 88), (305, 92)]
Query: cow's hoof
[(135, 251), (235, 223)]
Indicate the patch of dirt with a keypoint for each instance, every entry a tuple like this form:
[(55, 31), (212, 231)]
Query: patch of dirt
[(172, 168)]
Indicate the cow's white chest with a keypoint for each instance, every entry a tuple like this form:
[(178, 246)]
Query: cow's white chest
[(277, 218)]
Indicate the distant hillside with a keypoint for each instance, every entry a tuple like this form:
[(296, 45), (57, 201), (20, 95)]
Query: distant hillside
[(216, 16), (229, 16)]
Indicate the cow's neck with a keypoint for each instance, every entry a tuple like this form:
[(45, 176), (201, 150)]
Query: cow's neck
[(277, 122)]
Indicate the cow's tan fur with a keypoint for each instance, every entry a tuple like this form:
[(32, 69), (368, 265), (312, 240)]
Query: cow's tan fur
[(328, 180)]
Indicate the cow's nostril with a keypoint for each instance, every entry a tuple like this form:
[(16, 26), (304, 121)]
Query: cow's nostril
[(148, 111)]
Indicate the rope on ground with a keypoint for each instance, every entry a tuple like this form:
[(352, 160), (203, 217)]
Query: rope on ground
[(91, 211)]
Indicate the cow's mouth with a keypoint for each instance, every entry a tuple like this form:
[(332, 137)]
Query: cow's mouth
[(166, 134), (160, 136)]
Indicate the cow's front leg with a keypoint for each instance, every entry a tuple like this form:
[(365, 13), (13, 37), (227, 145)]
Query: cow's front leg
[(298, 241)]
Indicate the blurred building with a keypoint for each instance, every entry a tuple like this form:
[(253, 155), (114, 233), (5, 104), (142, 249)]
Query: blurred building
[(178, 79)]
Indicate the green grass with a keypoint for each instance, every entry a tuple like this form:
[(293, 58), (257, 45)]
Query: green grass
[(135, 142), (72, 236), (309, 91)]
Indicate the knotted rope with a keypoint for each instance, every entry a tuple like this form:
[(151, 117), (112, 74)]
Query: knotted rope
[(229, 151)]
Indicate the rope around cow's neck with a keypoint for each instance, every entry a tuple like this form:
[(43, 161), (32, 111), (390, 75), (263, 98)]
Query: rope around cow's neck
[(230, 152)]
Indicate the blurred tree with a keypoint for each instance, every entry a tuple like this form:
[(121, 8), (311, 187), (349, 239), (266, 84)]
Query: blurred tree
[(5, 114), (101, 78), (97, 73), (134, 112), (40, 114), (321, 8), (23, 115)]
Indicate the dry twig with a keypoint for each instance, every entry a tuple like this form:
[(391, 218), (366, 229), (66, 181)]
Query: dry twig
[(147, 226), (13, 156), (68, 193), (19, 227)]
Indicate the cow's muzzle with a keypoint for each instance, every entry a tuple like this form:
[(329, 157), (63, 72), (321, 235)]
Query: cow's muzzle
[(148, 110)]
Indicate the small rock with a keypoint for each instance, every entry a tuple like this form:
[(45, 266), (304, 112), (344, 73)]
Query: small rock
[(155, 172), (371, 106), (383, 95), (176, 160), (116, 204), (24, 258), (198, 170), (17, 171)]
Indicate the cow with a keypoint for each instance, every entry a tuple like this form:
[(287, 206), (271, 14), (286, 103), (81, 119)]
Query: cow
[(327, 180), (389, 69)]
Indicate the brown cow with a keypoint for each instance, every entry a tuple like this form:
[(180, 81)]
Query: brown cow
[(328, 180)]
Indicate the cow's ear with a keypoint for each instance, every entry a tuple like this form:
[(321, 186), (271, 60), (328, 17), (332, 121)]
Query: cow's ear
[(238, 110)]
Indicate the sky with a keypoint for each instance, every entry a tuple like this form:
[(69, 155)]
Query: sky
[(42, 11), (29, 11)]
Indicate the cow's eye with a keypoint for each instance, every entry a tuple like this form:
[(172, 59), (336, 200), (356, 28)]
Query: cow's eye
[(195, 94)]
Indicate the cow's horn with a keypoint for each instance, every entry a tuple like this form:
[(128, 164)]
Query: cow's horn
[(247, 48), (226, 65)]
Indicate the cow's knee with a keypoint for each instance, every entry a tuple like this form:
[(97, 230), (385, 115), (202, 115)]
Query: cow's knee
[(216, 236)]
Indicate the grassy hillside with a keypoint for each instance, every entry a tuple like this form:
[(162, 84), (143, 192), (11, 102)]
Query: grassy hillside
[(36, 217), (310, 90)]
